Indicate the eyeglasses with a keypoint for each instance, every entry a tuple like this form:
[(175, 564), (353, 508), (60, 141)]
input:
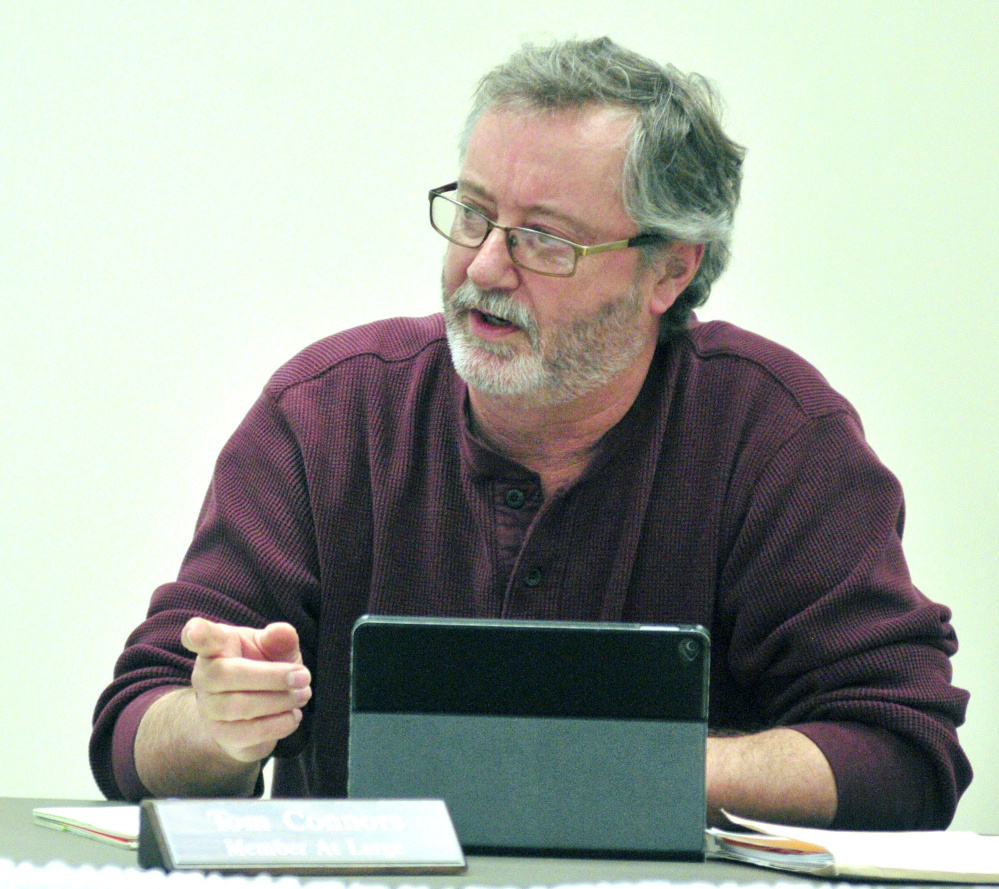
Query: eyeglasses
[(530, 249)]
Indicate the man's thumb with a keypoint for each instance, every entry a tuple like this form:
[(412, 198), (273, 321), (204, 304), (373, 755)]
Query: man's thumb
[(279, 642)]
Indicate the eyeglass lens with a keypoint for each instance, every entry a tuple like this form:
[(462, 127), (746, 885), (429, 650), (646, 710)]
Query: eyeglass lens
[(529, 249)]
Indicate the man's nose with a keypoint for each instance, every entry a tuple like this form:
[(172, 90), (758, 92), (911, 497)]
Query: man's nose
[(492, 267)]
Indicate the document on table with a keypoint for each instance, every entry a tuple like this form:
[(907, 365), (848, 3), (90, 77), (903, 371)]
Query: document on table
[(116, 825), (935, 855)]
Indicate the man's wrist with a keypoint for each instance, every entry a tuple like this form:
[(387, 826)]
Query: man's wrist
[(776, 775), (126, 776), (175, 755)]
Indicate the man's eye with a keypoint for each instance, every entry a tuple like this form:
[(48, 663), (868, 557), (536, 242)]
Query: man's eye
[(541, 240), (469, 219)]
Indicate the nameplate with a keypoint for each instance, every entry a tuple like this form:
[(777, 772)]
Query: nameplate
[(299, 836)]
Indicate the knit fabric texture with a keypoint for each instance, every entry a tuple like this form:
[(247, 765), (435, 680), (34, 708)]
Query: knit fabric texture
[(738, 493)]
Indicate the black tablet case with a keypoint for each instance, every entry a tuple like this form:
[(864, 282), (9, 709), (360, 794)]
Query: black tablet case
[(542, 737)]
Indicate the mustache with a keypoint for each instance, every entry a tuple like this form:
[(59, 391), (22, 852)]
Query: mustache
[(469, 297)]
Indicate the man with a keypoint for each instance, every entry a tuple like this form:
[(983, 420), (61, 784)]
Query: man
[(566, 442)]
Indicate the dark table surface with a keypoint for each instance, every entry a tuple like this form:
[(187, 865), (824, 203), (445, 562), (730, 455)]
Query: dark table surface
[(22, 840)]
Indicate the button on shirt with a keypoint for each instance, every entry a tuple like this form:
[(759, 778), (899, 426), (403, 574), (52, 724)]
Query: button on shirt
[(515, 498), (516, 502)]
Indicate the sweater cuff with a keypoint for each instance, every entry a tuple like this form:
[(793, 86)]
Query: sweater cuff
[(881, 780), (123, 743)]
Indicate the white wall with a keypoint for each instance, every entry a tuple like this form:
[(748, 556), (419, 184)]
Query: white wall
[(191, 192)]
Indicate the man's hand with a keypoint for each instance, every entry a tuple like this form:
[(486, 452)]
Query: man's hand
[(247, 690), (250, 685)]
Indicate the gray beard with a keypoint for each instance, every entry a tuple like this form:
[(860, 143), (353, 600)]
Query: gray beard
[(560, 366)]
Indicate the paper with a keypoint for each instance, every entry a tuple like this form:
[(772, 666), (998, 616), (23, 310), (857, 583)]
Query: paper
[(116, 825), (934, 855)]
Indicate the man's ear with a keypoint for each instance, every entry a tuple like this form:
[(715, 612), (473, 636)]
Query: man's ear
[(672, 270)]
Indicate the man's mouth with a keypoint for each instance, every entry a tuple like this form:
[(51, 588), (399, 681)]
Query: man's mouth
[(492, 320)]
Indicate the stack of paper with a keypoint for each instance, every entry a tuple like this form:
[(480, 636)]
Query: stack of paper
[(933, 855), (117, 825)]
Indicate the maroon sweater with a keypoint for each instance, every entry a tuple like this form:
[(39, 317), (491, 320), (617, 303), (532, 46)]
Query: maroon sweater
[(738, 493)]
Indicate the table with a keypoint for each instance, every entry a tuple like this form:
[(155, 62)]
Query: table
[(22, 840)]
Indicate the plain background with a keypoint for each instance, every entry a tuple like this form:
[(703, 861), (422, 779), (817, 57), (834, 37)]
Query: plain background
[(191, 192)]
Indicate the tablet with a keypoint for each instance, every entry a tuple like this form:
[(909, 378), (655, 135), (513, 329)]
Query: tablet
[(556, 738)]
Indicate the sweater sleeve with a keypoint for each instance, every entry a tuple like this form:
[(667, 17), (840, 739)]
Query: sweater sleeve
[(252, 561), (827, 634)]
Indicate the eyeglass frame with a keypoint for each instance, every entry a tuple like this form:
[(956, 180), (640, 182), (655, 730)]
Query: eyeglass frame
[(579, 250)]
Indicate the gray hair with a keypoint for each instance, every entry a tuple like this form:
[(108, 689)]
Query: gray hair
[(682, 174)]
